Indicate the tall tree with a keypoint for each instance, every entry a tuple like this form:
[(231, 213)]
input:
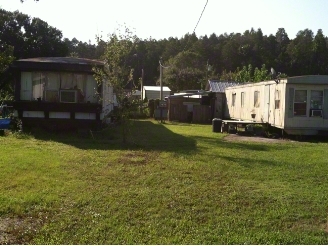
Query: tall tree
[(231, 55), (118, 72), (282, 59), (300, 52), (6, 58), (30, 37), (186, 71), (12, 26), (43, 40), (320, 54)]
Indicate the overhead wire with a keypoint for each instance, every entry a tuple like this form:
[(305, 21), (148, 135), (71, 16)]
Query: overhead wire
[(197, 23), (192, 32), (200, 16)]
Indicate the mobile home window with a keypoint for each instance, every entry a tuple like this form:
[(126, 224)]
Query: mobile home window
[(242, 99), (316, 99), (300, 102), (256, 99), (277, 99), (316, 103), (233, 99), (38, 80)]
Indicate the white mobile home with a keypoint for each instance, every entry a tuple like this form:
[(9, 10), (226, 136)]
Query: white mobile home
[(298, 105)]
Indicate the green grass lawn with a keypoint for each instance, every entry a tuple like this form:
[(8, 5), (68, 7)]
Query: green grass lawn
[(173, 184)]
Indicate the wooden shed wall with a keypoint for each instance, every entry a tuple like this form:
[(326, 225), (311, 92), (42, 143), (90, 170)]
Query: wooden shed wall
[(177, 111), (219, 107), (201, 114)]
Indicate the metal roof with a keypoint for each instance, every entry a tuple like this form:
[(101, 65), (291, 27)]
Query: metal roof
[(219, 86), (156, 88), (63, 64), (65, 60), (196, 94)]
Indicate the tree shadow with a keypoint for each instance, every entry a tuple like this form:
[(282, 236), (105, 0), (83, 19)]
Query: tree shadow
[(254, 146), (150, 136), (144, 135), (249, 162)]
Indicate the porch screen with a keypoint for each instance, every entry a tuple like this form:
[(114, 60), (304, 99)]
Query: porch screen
[(300, 102)]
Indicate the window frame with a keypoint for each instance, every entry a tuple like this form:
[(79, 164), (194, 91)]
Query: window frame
[(299, 103), (316, 105), (242, 99), (257, 99)]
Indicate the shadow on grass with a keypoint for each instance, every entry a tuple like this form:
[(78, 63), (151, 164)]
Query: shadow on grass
[(144, 135), (148, 135), (255, 146), (249, 162)]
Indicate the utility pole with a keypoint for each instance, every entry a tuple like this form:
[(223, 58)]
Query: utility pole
[(161, 85), (141, 89), (162, 103), (161, 79), (142, 80)]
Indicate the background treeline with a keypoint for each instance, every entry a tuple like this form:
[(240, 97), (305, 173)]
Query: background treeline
[(191, 59)]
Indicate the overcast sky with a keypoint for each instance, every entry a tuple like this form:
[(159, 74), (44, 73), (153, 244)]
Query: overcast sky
[(159, 19)]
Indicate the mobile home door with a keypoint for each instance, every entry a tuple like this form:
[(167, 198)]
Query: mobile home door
[(266, 114)]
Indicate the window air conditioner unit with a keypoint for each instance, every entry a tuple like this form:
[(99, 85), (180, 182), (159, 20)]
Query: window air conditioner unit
[(68, 96), (316, 113)]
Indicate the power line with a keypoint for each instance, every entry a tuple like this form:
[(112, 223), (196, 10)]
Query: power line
[(200, 16), (197, 23)]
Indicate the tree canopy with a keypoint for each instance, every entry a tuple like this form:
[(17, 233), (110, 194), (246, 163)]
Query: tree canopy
[(229, 55)]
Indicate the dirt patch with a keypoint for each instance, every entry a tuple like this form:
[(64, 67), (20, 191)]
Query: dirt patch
[(8, 227), (19, 230), (137, 157), (237, 137)]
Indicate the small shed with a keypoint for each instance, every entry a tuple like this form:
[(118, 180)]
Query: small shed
[(218, 87), (297, 105), (195, 107), (153, 92)]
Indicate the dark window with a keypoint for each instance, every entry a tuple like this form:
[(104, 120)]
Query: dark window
[(277, 99), (300, 102), (233, 99)]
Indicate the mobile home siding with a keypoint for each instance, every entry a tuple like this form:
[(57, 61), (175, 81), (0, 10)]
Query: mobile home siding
[(286, 113), (325, 103), (264, 111)]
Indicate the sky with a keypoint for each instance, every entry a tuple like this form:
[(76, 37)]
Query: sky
[(160, 19)]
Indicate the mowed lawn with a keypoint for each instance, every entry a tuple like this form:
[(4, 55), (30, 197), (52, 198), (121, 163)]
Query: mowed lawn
[(173, 184)]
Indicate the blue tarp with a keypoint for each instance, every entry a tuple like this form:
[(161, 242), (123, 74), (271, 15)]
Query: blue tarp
[(4, 123)]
